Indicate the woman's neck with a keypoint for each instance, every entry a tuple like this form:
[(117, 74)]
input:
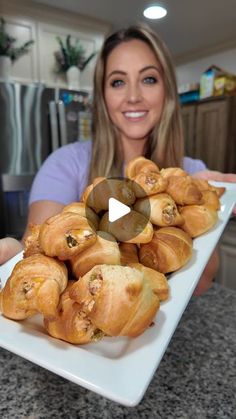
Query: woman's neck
[(133, 148)]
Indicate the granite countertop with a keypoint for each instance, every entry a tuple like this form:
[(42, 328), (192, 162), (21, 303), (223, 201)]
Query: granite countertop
[(195, 380)]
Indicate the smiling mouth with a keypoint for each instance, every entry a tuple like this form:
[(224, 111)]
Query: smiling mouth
[(135, 115)]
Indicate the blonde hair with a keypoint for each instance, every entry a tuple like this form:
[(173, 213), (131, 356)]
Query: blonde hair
[(165, 146)]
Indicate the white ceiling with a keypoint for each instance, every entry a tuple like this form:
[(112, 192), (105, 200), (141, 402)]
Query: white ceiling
[(192, 28)]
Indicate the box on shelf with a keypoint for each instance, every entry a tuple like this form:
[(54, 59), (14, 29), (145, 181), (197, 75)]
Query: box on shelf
[(188, 92), (216, 82)]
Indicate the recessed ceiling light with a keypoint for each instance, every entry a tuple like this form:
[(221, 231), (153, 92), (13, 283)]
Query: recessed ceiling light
[(155, 12)]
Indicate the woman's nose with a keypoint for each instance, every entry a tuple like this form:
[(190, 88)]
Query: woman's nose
[(134, 93)]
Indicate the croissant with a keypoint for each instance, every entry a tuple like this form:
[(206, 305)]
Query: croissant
[(83, 210), (183, 190), (34, 286), (198, 219), (128, 253), (132, 227), (140, 164), (160, 209), (211, 199), (104, 251), (117, 299), (156, 280), (31, 242), (172, 171), (98, 194), (65, 235), (148, 184), (169, 250), (71, 323), (204, 185)]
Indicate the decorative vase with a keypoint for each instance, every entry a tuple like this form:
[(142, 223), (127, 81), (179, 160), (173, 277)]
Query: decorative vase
[(5, 67), (73, 78)]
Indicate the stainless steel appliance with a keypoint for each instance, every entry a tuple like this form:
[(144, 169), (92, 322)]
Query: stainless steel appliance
[(34, 121)]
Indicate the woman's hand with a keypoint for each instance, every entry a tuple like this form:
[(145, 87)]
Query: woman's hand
[(208, 275), (217, 177), (9, 247)]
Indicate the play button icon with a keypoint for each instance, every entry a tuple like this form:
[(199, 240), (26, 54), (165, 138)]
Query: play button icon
[(116, 210), (112, 203)]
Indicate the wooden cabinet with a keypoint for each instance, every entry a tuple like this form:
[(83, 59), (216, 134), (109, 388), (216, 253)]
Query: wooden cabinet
[(210, 132)]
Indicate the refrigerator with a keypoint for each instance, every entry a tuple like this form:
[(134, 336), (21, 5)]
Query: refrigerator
[(35, 120)]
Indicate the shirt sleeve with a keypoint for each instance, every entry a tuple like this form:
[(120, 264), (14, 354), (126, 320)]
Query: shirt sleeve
[(193, 165), (63, 176)]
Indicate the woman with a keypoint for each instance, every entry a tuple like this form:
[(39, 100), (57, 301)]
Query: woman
[(136, 112)]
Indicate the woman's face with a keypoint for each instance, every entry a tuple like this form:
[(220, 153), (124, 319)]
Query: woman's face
[(134, 89)]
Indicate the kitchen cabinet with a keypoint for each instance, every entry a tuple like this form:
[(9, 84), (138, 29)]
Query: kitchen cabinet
[(210, 132)]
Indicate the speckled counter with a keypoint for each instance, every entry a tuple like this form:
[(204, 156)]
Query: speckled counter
[(195, 380)]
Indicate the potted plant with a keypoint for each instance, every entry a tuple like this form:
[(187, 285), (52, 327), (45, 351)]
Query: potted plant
[(8, 51), (71, 59)]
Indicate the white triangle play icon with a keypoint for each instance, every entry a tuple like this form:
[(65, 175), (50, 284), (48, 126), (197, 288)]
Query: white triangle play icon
[(116, 209)]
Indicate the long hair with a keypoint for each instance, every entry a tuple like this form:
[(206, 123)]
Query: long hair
[(165, 145)]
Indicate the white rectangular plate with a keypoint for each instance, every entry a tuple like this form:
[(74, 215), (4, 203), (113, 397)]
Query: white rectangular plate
[(117, 368)]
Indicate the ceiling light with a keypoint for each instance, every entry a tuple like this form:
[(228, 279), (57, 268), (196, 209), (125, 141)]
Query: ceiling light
[(155, 12)]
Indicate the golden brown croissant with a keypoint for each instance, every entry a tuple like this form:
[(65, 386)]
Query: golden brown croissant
[(211, 199), (204, 185), (83, 210), (156, 280), (65, 235), (31, 242), (183, 190), (97, 195), (169, 250), (132, 227), (118, 299), (198, 219), (173, 171), (160, 208), (34, 286), (104, 251), (148, 184), (71, 323), (128, 253), (140, 164)]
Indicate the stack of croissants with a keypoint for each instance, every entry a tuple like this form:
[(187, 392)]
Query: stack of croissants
[(89, 277)]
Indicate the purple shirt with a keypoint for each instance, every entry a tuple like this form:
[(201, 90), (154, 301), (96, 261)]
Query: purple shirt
[(64, 174)]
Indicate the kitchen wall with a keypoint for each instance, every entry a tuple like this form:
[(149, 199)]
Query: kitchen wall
[(190, 72), (26, 20)]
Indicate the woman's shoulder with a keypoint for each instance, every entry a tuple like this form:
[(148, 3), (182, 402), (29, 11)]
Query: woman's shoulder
[(193, 165), (76, 149)]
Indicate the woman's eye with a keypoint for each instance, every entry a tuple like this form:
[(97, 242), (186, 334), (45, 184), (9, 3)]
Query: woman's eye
[(117, 83), (150, 80)]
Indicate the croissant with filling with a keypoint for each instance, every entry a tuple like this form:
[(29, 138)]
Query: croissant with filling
[(149, 183), (35, 286), (198, 219), (97, 195), (65, 235), (183, 190), (71, 323), (140, 164), (132, 227), (157, 280), (83, 210), (161, 209), (104, 251), (169, 250), (117, 299)]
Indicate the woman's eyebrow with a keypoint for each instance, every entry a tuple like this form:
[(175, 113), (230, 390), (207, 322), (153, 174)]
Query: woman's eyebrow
[(123, 73), (150, 67)]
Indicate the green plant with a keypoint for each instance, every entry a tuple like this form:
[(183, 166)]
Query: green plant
[(7, 43), (71, 55)]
